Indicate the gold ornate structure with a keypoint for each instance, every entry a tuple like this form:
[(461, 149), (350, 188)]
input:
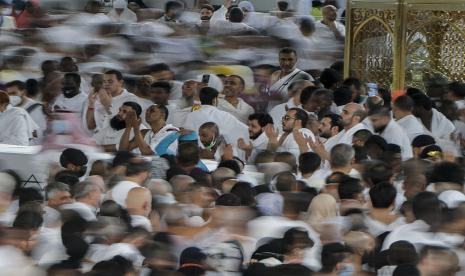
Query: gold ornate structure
[(400, 43)]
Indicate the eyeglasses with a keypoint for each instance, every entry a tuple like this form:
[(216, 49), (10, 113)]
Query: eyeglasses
[(287, 118)]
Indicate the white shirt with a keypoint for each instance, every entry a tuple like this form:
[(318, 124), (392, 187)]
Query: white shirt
[(102, 118), (120, 191), (394, 134), (345, 136), (14, 127), (323, 38), (412, 126), (258, 145), (110, 136), (416, 233), (441, 127), (37, 115), (290, 145), (376, 228), (141, 221), (241, 111), (127, 16), (8, 23), (153, 139), (231, 128), (277, 113), (74, 104), (87, 212), (223, 27)]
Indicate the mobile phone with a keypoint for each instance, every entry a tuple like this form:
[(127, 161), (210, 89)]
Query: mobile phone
[(372, 89), (206, 79)]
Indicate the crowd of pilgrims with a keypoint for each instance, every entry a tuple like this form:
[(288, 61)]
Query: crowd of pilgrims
[(312, 175)]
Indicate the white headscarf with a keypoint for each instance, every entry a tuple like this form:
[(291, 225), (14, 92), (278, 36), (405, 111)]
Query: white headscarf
[(247, 5)]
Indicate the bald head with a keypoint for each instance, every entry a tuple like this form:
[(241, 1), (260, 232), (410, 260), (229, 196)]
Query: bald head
[(221, 174), (139, 201), (159, 187), (180, 185), (352, 114), (296, 87)]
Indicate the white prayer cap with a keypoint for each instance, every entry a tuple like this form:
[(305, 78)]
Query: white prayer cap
[(246, 5), (213, 82), (120, 4), (452, 198)]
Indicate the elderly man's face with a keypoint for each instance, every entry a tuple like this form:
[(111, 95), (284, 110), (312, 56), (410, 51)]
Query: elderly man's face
[(330, 13), (287, 61)]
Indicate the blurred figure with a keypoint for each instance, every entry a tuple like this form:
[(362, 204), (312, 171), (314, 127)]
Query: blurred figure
[(87, 196), (7, 22), (75, 161), (121, 14), (234, 86), (16, 124)]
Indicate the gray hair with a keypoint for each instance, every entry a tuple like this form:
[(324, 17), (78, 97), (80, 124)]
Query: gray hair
[(52, 188), (82, 189), (341, 155)]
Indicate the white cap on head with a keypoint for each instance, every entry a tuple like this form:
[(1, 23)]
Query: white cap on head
[(452, 198), (120, 4), (246, 5)]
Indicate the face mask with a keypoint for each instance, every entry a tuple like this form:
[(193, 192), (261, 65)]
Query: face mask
[(212, 144), (61, 127), (69, 92), (15, 100), (6, 11)]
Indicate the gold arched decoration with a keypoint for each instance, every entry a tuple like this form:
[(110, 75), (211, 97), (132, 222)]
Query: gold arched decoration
[(434, 20), (375, 18)]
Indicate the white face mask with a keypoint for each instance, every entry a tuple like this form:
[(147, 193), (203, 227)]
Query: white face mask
[(6, 11), (15, 100)]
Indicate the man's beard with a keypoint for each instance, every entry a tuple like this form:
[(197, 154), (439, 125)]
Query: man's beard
[(255, 136), (117, 124), (205, 18), (380, 129), (325, 135)]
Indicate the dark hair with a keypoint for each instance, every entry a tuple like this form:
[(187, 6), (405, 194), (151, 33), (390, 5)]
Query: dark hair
[(164, 109), (383, 195), (377, 140), (228, 200), (230, 164), (122, 158), (32, 87), (21, 85), (75, 76), (208, 7), (244, 191), (263, 119), (349, 187), (307, 93), (352, 81), (363, 134), (423, 140), (170, 5), (118, 74), (385, 94), (159, 67), (285, 181), (342, 95), (73, 156), (135, 106), (427, 207), (301, 115), (336, 120), (28, 220), (29, 195), (402, 252), (329, 77), (136, 166), (309, 162), (67, 177), (288, 50), (404, 103), (207, 95), (376, 171), (236, 15), (379, 111), (421, 100), (162, 84), (332, 254), (447, 172), (188, 154), (283, 5), (457, 88)]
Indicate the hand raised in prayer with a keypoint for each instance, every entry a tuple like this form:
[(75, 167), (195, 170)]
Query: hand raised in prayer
[(299, 138), (318, 148), (130, 118), (105, 99), (272, 133), (243, 145), (228, 153), (92, 98)]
